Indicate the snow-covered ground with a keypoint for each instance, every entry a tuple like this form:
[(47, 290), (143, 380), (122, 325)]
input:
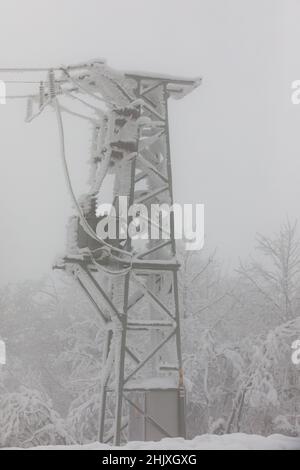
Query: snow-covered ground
[(205, 442)]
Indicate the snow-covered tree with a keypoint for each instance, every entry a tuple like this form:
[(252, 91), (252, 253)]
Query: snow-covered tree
[(28, 419)]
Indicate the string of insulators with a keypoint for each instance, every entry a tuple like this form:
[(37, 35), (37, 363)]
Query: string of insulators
[(29, 109), (42, 94), (52, 87)]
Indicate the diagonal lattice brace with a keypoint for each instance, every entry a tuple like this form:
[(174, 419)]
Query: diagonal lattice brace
[(150, 355), (154, 299)]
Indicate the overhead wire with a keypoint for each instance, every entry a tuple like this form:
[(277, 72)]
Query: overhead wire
[(98, 110), (53, 100), (15, 97), (79, 115)]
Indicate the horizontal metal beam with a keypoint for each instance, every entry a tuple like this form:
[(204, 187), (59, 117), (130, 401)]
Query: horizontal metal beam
[(163, 78), (149, 325), (156, 265), (154, 193)]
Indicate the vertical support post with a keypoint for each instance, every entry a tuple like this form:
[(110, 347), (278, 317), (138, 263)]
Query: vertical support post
[(103, 392), (120, 363), (121, 353), (181, 387)]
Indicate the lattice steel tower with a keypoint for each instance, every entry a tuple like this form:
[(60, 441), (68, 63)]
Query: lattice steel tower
[(132, 283)]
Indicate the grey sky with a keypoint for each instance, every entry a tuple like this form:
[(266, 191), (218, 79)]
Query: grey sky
[(235, 140)]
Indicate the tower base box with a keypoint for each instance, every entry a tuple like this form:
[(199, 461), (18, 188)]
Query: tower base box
[(156, 415)]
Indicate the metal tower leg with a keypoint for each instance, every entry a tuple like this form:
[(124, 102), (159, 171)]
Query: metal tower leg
[(103, 391), (122, 335), (120, 363)]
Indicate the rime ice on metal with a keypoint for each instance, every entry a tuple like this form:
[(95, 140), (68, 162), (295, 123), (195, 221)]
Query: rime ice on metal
[(132, 286)]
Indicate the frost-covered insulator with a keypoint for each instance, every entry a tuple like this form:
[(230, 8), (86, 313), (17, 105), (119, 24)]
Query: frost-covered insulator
[(120, 122), (72, 235), (42, 94), (87, 203), (144, 121), (95, 157), (29, 109), (122, 179), (129, 112), (52, 87), (126, 146)]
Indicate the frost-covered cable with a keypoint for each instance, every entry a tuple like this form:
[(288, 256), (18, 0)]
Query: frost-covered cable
[(98, 110), (85, 224), (79, 115), (22, 97), (28, 69), (120, 272)]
